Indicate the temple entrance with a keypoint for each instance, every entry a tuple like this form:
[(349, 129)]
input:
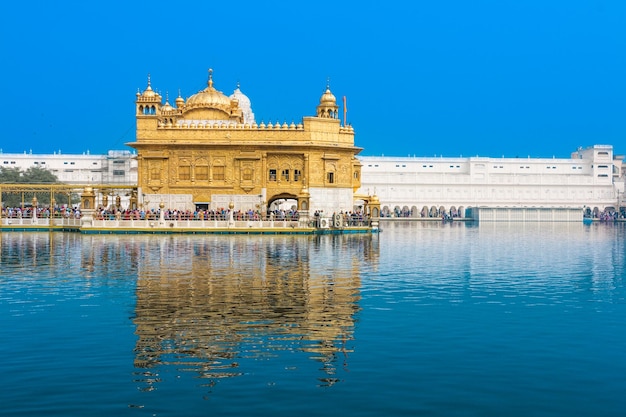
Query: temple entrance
[(284, 202), (283, 206)]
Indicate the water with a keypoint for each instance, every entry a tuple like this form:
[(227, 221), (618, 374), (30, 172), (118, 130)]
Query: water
[(425, 319)]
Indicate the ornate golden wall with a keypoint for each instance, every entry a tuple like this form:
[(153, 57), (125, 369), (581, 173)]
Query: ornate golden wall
[(180, 153)]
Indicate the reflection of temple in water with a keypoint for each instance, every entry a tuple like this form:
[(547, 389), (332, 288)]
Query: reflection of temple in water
[(204, 304)]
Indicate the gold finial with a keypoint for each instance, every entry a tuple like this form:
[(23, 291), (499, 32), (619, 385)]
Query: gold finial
[(328, 83), (148, 79), (238, 85), (210, 83)]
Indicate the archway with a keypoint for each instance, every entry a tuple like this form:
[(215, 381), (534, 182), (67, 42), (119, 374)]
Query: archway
[(283, 206)]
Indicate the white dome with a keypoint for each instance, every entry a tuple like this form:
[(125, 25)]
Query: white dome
[(244, 105)]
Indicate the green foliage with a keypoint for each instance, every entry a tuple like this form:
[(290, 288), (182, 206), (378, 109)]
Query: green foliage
[(10, 175), (33, 175)]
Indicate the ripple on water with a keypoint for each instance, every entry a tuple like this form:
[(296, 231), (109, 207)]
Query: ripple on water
[(439, 320)]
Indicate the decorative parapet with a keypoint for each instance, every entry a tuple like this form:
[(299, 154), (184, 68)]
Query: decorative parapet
[(225, 124)]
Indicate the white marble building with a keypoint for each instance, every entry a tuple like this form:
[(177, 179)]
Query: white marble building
[(591, 179), (114, 168)]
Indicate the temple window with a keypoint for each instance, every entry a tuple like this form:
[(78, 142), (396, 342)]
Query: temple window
[(202, 173), (330, 177), (272, 175), (285, 175), (154, 174), (297, 174), (218, 173), (184, 173)]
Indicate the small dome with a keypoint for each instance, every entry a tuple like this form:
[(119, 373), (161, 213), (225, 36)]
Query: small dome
[(167, 107), (149, 93), (180, 102), (328, 105), (328, 97)]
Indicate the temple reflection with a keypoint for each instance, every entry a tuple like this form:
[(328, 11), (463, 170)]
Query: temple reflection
[(206, 304)]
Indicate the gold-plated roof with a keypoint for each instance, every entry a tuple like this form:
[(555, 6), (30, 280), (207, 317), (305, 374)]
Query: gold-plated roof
[(149, 92), (167, 107), (328, 98), (209, 97)]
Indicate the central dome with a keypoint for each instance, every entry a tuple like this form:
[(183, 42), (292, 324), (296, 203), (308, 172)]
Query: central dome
[(209, 98)]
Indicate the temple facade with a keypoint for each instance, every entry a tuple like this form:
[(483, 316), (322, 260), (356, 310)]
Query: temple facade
[(209, 152)]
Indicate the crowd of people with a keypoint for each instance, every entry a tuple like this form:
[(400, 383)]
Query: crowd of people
[(425, 212), (348, 218), (42, 212), (609, 215), (175, 214)]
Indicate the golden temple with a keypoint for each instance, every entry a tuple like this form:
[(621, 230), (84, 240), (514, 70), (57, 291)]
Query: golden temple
[(208, 152)]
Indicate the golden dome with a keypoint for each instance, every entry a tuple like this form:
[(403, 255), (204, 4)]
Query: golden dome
[(328, 104), (180, 102), (149, 93), (328, 97), (209, 97), (167, 106)]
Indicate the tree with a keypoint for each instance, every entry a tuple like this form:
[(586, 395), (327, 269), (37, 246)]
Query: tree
[(10, 175), (33, 175), (37, 175)]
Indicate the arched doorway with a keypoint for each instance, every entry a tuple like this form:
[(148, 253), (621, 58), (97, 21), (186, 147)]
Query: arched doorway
[(283, 206)]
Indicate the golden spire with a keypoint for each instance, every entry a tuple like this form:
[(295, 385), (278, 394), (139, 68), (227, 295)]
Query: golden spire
[(210, 82), (179, 100)]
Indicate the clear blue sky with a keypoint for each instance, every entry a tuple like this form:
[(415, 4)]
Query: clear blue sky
[(453, 77)]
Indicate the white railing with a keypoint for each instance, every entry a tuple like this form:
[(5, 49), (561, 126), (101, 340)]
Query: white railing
[(43, 221), (194, 224)]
